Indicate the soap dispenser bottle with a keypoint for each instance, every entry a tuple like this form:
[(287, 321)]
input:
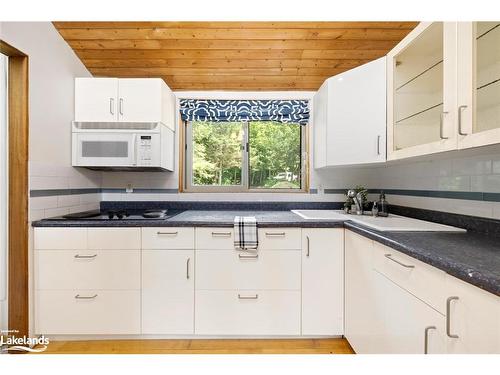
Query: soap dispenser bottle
[(383, 206)]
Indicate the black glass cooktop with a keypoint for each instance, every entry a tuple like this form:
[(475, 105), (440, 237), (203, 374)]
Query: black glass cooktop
[(156, 214)]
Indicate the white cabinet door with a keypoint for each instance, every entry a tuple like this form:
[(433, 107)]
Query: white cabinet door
[(474, 318), (410, 326), (167, 291), (364, 317), (421, 92), (320, 118), (323, 281), (96, 99), (350, 117), (356, 126), (139, 100), (478, 83)]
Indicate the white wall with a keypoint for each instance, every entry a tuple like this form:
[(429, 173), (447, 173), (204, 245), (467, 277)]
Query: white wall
[(52, 69)]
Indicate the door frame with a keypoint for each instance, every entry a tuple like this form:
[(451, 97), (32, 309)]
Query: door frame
[(18, 220)]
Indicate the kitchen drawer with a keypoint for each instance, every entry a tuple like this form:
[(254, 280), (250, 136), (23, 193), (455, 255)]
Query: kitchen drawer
[(423, 281), (60, 238), (114, 238), (215, 238), (109, 312), (88, 269), (280, 239), (239, 270), (176, 238), (247, 312)]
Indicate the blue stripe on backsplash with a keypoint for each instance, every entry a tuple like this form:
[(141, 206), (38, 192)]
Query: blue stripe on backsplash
[(465, 195), (52, 192)]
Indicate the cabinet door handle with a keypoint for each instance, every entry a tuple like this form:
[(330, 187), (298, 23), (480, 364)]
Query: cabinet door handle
[(275, 234), (441, 121), (307, 246), (221, 234), (241, 256), (112, 106), (426, 338), (389, 256), (460, 109), (187, 267), (85, 297), (121, 106), (448, 317), (167, 233), (78, 256), (256, 296), (378, 144)]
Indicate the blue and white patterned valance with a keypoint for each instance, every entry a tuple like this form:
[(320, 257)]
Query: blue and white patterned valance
[(287, 111)]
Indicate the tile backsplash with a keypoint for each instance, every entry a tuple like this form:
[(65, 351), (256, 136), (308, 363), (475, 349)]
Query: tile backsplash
[(57, 183), (463, 184), (458, 173)]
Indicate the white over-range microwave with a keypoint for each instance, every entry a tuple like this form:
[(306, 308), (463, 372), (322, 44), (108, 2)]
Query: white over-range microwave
[(122, 146)]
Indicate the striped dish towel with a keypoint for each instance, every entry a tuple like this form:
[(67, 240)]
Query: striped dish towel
[(245, 233)]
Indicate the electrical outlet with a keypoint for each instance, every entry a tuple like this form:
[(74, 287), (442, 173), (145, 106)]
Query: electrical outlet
[(129, 188)]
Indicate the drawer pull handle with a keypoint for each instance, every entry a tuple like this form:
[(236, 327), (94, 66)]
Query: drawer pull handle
[(275, 234), (221, 234), (78, 256), (389, 256), (426, 338), (256, 296), (187, 268), (241, 256), (85, 297), (448, 317), (308, 252), (167, 233)]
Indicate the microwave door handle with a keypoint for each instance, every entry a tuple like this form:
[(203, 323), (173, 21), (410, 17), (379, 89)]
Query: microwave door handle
[(134, 155)]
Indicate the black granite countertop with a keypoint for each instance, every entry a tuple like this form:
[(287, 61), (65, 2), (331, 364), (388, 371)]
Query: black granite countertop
[(472, 257)]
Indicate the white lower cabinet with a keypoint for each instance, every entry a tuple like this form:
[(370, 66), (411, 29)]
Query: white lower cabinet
[(87, 281), (363, 313), (323, 281), (474, 319), (82, 312), (167, 291), (389, 309), (249, 312), (409, 325), (382, 317)]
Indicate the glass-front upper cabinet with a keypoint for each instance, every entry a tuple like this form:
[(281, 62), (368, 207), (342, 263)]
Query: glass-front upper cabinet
[(478, 76), (422, 92)]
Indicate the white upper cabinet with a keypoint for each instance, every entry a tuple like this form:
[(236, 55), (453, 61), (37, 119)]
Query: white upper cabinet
[(96, 99), (443, 89), (421, 92), (478, 109), (124, 100), (350, 117)]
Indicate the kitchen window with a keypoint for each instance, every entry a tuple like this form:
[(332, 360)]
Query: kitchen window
[(239, 156)]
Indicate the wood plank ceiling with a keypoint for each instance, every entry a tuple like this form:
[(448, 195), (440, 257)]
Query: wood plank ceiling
[(231, 55)]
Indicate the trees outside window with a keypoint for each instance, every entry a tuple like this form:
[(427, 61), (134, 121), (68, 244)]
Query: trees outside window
[(240, 156)]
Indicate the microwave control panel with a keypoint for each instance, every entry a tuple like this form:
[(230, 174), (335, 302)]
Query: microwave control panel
[(147, 146)]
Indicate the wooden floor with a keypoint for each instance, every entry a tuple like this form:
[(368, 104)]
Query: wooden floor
[(287, 346)]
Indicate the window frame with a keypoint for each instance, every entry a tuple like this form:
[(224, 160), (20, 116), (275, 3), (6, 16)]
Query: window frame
[(245, 172)]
